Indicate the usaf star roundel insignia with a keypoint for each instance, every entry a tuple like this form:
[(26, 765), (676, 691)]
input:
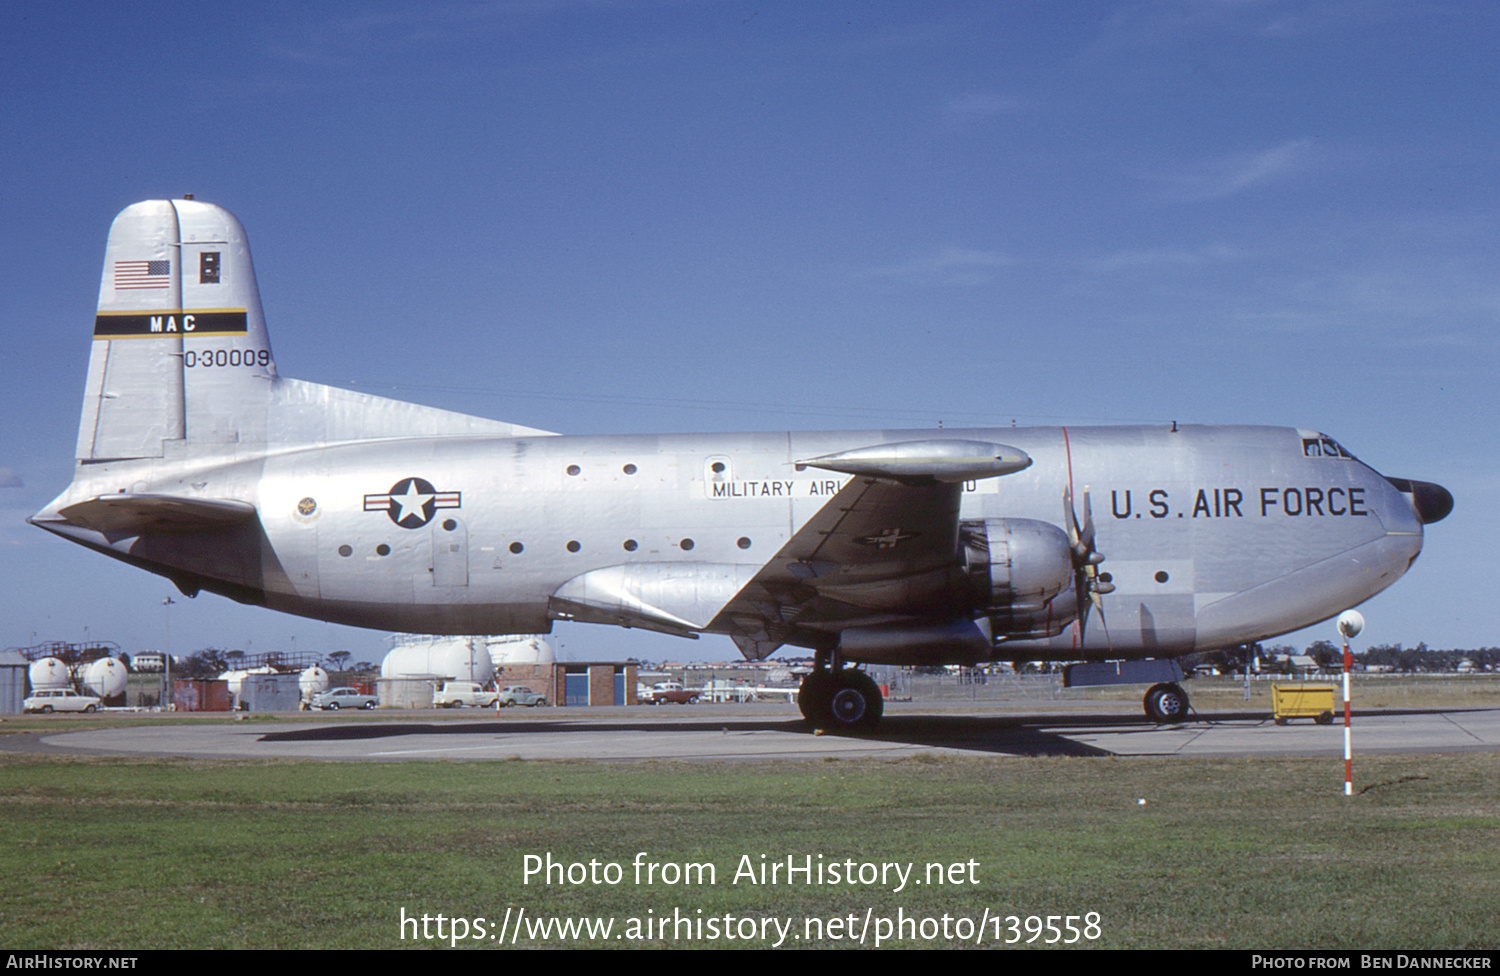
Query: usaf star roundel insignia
[(411, 502)]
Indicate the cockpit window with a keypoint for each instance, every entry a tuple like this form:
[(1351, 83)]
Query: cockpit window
[(1325, 447)]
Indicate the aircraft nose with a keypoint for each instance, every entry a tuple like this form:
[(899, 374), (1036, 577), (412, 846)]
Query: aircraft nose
[(1431, 502)]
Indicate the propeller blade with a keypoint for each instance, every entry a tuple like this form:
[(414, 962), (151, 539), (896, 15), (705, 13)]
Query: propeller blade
[(1086, 535), (1108, 642), (1086, 559)]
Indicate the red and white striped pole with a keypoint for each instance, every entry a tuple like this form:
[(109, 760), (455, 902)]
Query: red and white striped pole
[(1350, 623)]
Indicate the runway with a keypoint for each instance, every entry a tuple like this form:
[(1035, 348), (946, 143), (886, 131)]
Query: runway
[(745, 733)]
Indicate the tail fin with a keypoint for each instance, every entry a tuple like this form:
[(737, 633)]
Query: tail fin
[(181, 361), (180, 350)]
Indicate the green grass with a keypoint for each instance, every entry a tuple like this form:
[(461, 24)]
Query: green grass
[(120, 853)]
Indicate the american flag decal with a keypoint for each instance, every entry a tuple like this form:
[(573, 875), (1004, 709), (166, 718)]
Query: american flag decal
[(132, 275)]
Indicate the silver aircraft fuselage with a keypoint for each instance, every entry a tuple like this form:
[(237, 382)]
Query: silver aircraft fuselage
[(1212, 536)]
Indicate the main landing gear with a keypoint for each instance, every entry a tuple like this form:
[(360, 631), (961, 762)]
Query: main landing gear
[(840, 700)]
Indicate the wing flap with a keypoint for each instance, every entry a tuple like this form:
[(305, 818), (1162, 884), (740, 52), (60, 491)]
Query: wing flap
[(674, 598)]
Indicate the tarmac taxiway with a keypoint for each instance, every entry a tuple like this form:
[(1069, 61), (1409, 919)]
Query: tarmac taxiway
[(770, 731)]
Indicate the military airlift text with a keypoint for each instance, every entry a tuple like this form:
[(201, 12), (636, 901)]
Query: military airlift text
[(772, 489)]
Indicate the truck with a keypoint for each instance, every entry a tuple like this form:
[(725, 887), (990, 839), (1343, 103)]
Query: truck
[(519, 695), (457, 694)]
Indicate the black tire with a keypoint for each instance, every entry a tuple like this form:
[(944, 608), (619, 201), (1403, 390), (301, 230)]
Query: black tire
[(1166, 704), (332, 706), (88, 708), (1324, 718), (367, 706), (46, 709), (813, 695), (843, 701)]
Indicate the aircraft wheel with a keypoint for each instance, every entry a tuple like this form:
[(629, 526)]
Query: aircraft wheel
[(853, 703), (812, 699), (1166, 704)]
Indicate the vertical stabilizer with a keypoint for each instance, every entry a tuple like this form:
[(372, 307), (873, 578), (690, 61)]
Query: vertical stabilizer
[(180, 352)]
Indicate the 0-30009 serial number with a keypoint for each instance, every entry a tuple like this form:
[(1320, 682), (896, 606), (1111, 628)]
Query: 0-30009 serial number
[(226, 357)]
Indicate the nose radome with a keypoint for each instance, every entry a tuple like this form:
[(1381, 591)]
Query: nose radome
[(1431, 502)]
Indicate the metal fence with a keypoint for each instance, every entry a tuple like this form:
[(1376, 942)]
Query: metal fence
[(907, 685)]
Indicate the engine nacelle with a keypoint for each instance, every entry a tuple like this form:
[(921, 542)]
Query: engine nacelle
[(1022, 575)]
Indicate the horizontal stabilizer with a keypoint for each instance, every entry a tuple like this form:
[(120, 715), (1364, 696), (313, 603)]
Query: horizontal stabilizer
[(134, 514)]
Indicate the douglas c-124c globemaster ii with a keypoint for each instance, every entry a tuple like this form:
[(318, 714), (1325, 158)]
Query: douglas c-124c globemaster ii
[(199, 462)]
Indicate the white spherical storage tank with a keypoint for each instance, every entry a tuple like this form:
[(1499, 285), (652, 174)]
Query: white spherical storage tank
[(48, 673), (312, 681), (105, 677), (520, 649), (456, 658)]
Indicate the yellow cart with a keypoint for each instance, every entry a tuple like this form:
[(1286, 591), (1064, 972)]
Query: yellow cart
[(1302, 700)]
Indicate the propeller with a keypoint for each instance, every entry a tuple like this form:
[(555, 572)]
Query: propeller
[(1086, 560)]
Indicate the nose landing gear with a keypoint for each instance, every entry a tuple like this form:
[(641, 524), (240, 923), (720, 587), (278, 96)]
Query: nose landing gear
[(1166, 704)]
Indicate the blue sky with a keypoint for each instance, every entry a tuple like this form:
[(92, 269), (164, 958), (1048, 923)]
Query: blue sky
[(669, 216)]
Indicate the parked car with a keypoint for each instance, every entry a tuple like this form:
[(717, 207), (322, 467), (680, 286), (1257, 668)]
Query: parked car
[(457, 694), (664, 692), (519, 695), (60, 700), (337, 698)]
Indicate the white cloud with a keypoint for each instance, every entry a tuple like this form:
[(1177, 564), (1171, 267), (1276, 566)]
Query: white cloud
[(1164, 258), (1228, 175), (977, 106), (946, 266)]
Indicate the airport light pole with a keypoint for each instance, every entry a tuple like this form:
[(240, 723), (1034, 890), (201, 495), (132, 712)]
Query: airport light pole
[(166, 653), (1350, 623)]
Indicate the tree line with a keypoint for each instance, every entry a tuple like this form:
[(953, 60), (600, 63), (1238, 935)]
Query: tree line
[(1394, 657)]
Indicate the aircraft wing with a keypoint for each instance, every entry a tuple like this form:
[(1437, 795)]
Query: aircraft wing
[(876, 550), (883, 548), (132, 514)]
